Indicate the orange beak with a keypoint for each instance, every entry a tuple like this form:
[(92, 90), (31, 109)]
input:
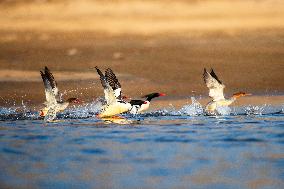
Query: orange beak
[(240, 94)]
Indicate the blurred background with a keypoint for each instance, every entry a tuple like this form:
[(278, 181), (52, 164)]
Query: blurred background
[(152, 45)]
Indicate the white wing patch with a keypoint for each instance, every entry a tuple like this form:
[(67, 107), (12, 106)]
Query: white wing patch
[(117, 93), (50, 85), (109, 95), (134, 109), (216, 88), (216, 94), (50, 97)]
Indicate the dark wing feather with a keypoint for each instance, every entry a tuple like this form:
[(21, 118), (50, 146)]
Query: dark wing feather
[(205, 75), (102, 78), (51, 90), (212, 73), (50, 78), (52, 83), (111, 79), (214, 85), (109, 93), (114, 83), (45, 80)]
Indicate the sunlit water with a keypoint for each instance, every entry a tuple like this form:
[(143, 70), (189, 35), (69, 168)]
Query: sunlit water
[(239, 148)]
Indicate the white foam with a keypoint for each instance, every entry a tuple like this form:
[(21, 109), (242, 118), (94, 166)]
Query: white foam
[(193, 109), (7, 111), (86, 110), (255, 110), (171, 110), (223, 110)]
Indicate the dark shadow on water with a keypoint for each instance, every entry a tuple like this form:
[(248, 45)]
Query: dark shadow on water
[(12, 151), (242, 140), (93, 151), (173, 139)]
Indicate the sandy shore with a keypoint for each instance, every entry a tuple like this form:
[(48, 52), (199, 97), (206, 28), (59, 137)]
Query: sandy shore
[(153, 46), (142, 17)]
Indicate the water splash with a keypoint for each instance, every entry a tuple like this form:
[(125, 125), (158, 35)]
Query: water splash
[(223, 110), (89, 110), (28, 113), (282, 109), (169, 111), (84, 111), (24, 109), (194, 109), (255, 110), (7, 111)]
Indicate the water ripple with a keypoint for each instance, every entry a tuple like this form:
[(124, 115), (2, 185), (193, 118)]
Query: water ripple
[(173, 139), (242, 140), (93, 151), (12, 151)]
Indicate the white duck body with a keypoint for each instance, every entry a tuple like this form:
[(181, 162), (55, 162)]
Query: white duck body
[(109, 110), (211, 106), (53, 103), (112, 90), (216, 92), (144, 106), (140, 108), (58, 107)]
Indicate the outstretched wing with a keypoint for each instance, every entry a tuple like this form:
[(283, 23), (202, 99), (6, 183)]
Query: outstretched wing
[(102, 78), (113, 82), (109, 93), (50, 85), (215, 86)]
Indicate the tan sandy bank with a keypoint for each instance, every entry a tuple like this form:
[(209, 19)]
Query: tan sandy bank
[(20, 75), (142, 17)]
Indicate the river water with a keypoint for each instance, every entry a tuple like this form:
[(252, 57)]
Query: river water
[(240, 148)]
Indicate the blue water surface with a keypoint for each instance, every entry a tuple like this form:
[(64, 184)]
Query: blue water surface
[(157, 150)]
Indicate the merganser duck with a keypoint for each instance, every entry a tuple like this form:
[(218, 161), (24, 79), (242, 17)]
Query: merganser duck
[(112, 90), (139, 106), (54, 103), (216, 88)]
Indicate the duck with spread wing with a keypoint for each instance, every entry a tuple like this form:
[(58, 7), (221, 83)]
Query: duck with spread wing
[(54, 103), (216, 92), (115, 103)]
